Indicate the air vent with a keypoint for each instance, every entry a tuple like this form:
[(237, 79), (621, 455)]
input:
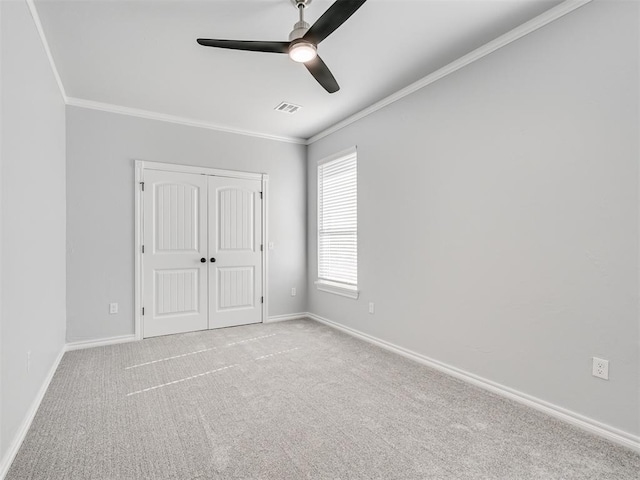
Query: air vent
[(289, 108)]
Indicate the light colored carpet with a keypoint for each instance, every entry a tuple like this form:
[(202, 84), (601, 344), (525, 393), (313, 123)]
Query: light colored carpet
[(290, 400)]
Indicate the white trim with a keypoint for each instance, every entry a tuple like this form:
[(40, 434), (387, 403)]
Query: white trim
[(140, 166), (15, 445), (265, 248), (336, 289), (585, 423), (45, 44), (2, 465), (138, 228), (102, 342), (346, 153), (286, 318), (175, 168), (526, 28), (163, 117)]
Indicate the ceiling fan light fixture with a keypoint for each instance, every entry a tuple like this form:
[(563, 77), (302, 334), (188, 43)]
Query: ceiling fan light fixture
[(302, 52)]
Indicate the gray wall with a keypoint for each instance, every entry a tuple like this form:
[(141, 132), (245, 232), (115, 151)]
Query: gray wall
[(498, 216), (32, 315), (101, 149)]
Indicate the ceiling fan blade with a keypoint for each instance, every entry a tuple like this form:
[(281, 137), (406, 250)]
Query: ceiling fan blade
[(271, 47), (322, 74), (336, 15)]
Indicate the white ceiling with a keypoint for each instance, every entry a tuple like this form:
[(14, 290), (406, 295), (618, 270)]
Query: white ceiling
[(142, 54)]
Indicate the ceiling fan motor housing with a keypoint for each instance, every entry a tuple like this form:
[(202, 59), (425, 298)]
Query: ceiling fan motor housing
[(299, 29)]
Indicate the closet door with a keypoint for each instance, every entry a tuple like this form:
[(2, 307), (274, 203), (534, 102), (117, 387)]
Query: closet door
[(175, 259), (235, 257)]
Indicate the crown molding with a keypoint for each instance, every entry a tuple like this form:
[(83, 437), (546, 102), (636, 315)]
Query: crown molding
[(540, 21), (526, 28), (45, 44), (136, 112)]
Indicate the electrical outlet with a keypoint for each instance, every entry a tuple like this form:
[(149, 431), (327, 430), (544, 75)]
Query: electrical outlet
[(600, 368), (372, 308), (113, 308), (293, 292)]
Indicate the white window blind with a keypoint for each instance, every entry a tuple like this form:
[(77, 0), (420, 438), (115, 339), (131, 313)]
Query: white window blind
[(338, 221)]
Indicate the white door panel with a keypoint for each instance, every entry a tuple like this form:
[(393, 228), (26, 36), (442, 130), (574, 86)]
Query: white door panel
[(175, 241), (202, 260), (235, 230)]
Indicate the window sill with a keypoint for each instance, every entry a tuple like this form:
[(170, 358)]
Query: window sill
[(337, 289)]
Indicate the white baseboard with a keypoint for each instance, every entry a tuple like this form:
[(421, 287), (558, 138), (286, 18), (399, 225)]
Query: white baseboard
[(585, 423), (15, 445), (99, 343), (605, 431), (284, 318), (5, 463)]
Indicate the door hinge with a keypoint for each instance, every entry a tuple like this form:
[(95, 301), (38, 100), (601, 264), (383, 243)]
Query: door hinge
[(142, 310), (142, 248), (260, 195), (261, 299), (261, 248), (142, 186)]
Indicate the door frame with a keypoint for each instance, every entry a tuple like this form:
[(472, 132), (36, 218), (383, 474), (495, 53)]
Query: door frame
[(142, 165)]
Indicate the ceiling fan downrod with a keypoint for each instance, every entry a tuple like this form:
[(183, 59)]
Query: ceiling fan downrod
[(301, 27)]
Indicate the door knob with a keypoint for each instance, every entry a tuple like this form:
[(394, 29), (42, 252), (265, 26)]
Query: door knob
[(213, 260), (203, 260)]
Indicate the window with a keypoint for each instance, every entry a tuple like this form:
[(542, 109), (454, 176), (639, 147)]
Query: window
[(338, 224)]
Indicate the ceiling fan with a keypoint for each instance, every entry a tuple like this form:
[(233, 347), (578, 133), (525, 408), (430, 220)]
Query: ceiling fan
[(303, 40)]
